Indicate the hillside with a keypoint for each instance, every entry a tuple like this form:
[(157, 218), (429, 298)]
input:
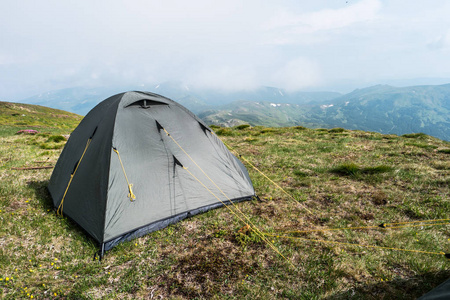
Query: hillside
[(389, 109), (383, 109), (18, 116), (344, 178)]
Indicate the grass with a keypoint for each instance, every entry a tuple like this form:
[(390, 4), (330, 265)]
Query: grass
[(346, 178)]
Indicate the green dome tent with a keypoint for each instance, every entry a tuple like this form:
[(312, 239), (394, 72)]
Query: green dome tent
[(138, 162)]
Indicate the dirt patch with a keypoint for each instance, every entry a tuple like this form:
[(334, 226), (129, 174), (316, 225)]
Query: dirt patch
[(207, 269)]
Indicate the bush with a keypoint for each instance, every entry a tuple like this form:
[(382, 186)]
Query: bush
[(300, 173), (242, 126), (352, 169), (415, 135), (347, 169), (268, 130), (336, 130), (225, 132), (377, 170), (51, 146), (56, 138)]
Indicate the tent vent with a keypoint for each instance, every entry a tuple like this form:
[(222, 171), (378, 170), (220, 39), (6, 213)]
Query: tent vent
[(92, 135), (146, 103), (204, 128), (177, 162), (159, 126), (75, 167)]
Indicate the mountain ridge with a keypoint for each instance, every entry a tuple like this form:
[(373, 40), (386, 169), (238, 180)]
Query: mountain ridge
[(380, 108)]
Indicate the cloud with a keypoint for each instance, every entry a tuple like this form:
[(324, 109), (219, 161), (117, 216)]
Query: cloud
[(234, 44), (299, 28), (297, 74)]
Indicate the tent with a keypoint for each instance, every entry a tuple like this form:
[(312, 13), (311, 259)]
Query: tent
[(138, 162), (441, 292)]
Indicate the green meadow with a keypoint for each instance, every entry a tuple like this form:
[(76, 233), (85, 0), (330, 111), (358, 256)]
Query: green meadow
[(309, 181)]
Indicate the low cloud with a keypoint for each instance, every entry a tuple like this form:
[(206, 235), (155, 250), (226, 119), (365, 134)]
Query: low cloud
[(297, 74), (231, 45), (225, 77)]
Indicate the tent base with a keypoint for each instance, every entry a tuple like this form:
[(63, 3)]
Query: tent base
[(163, 223)]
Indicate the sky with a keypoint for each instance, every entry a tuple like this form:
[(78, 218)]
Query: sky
[(224, 45)]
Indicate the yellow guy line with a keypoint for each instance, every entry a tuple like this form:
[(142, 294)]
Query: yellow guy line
[(258, 232), (254, 167), (365, 227), (358, 245), (410, 222), (59, 211), (420, 225), (130, 194), (254, 227)]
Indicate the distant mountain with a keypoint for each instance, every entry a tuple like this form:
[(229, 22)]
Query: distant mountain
[(380, 108), (264, 113), (80, 100), (388, 109)]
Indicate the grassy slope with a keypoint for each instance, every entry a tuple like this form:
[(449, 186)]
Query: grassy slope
[(17, 116), (346, 178)]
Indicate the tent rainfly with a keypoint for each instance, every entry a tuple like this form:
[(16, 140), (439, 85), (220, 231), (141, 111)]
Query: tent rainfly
[(139, 162)]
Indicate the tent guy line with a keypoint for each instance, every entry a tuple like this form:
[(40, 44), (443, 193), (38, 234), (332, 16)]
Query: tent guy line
[(262, 173), (446, 255), (59, 211), (130, 185), (381, 226), (252, 225)]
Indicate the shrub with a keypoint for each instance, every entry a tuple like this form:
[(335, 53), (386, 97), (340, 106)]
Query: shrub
[(352, 169), (347, 169), (336, 130), (224, 132), (251, 140), (268, 130), (51, 146), (377, 170), (300, 173), (415, 135), (56, 138), (242, 126)]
